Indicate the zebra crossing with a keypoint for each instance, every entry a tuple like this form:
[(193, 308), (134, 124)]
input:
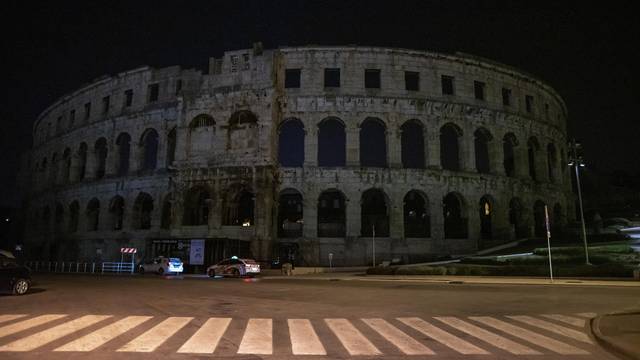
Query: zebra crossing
[(540, 334)]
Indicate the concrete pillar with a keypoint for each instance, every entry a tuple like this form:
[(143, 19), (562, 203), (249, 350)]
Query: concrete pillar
[(396, 219), (111, 164), (182, 144), (353, 143), (310, 215), (394, 148), (90, 168), (496, 156), (437, 220), (353, 221), (161, 154), (521, 160), (466, 147), (473, 222), (311, 146), (432, 148)]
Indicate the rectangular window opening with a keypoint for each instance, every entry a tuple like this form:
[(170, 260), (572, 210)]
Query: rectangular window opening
[(178, 86), (506, 97), (87, 111), (528, 103), (292, 78), (128, 98), (372, 78), (105, 104), (412, 80), (331, 78), (478, 90), (154, 90), (447, 85)]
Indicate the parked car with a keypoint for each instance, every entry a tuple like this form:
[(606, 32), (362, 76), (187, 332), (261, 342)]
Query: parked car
[(14, 278), (161, 265), (234, 266)]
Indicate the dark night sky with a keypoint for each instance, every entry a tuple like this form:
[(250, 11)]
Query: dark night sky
[(588, 54)]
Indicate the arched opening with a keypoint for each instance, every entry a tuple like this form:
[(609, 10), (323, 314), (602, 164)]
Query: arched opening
[(539, 227), (516, 218), (149, 146), (455, 219), (482, 138), (82, 161), (100, 151), (66, 165), (417, 222), (59, 219), (373, 143), (239, 207), (171, 146), (202, 130), (374, 214), (74, 216), (532, 150), (412, 148), (242, 132), (93, 215), (331, 143), (142, 209), (291, 143), (558, 219), (116, 212), (450, 147), (196, 207), (331, 214), (552, 162), (165, 219), (290, 207), (123, 144), (46, 220), (486, 214), (509, 143)]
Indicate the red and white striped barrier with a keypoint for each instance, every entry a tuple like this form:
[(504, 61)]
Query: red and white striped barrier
[(128, 250)]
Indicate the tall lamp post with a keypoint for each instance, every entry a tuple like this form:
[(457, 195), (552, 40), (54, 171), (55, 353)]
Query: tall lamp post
[(575, 160)]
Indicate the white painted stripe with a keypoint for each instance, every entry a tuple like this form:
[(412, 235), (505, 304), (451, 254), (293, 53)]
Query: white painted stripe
[(487, 336), (157, 335), (351, 338), (442, 336), (44, 337), (588, 315), (560, 330), (28, 324), (530, 336), (566, 319), (206, 339), (5, 318), (257, 337), (402, 341), (304, 340), (100, 337)]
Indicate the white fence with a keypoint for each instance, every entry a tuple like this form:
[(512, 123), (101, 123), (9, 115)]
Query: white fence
[(80, 267)]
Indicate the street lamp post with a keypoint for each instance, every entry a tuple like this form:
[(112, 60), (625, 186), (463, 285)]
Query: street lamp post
[(576, 161)]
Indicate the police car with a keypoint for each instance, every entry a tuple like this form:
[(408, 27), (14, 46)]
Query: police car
[(234, 266)]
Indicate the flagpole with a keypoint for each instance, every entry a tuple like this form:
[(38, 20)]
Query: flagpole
[(546, 223)]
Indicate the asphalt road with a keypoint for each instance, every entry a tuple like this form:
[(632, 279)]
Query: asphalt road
[(150, 317)]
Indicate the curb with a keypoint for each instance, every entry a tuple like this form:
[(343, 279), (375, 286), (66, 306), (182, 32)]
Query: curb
[(607, 342)]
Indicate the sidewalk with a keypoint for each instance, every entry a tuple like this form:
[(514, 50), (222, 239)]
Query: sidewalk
[(454, 279), (619, 333)]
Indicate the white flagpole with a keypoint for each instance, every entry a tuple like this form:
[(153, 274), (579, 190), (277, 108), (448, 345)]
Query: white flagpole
[(374, 244), (546, 222)]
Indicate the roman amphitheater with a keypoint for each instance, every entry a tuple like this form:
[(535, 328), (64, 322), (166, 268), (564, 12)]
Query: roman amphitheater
[(313, 151)]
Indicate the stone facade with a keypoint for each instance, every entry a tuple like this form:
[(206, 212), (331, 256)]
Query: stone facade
[(265, 150)]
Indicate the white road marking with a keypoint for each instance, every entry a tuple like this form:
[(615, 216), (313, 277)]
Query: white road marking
[(351, 338), (102, 336), (157, 335), (443, 337), (257, 338), (28, 324), (487, 336), (530, 336), (304, 340), (206, 339), (560, 330), (566, 319), (587, 315), (5, 318), (46, 336), (402, 341)]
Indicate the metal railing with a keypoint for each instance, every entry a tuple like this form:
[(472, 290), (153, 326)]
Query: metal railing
[(80, 267)]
